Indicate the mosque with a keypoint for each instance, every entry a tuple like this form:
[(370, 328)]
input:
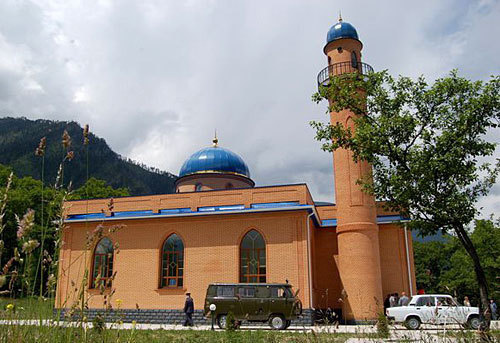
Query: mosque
[(220, 227)]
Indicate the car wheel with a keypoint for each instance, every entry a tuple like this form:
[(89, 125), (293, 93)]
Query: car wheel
[(412, 323), (277, 322), (222, 321), (473, 323)]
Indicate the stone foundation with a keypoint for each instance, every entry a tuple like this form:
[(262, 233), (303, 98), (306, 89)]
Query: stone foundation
[(163, 316)]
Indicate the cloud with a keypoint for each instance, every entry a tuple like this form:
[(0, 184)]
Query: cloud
[(156, 78)]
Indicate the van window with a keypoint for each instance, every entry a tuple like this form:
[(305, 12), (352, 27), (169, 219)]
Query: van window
[(262, 292), (211, 291), (280, 292), (246, 292), (425, 301), (225, 291)]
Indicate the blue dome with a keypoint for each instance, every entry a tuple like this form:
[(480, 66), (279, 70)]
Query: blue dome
[(214, 160), (341, 30)]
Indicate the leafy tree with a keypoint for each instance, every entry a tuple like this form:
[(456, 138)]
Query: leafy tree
[(95, 188), (486, 237), (424, 142), (431, 260)]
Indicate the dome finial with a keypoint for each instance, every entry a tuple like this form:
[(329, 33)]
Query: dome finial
[(340, 16), (215, 140)]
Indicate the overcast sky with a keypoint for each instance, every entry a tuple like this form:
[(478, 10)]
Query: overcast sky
[(155, 78)]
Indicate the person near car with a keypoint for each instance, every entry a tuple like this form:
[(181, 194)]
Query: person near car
[(466, 301), (188, 310), (493, 309), (392, 300), (404, 300), (387, 303)]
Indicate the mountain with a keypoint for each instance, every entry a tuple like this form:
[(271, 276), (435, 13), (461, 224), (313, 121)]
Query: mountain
[(19, 138)]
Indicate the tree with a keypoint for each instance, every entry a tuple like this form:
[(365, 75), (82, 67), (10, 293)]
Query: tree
[(486, 237), (424, 143), (95, 188)]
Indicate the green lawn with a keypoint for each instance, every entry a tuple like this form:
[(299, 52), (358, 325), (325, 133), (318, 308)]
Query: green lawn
[(27, 308), (17, 333)]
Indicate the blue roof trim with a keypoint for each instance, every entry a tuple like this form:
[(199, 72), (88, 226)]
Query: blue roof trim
[(275, 204), (290, 205), (380, 220), (176, 210), (86, 216), (132, 213), (329, 222)]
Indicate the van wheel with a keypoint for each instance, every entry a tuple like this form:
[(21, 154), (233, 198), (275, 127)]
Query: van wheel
[(412, 323), (277, 322), (473, 322), (222, 321)]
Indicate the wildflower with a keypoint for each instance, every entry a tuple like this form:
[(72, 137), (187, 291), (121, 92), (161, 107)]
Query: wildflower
[(30, 245), (133, 324), (84, 319), (70, 155), (119, 302), (86, 135), (40, 150), (66, 139), (26, 224), (10, 307)]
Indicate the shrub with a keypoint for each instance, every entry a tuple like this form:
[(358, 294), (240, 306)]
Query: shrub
[(382, 326)]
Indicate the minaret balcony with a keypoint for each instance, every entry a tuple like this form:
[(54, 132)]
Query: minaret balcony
[(342, 68)]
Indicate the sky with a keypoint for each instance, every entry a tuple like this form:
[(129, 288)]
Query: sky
[(155, 78)]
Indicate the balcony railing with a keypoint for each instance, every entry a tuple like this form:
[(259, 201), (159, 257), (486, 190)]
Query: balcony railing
[(342, 68)]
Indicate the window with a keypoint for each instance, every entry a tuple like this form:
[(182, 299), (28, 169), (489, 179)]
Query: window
[(445, 301), (102, 268), (425, 301), (225, 291), (354, 60), (246, 292), (172, 262), (253, 258), (198, 187), (280, 292)]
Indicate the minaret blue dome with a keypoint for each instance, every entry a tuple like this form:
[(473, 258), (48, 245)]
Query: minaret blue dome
[(341, 30), (214, 160)]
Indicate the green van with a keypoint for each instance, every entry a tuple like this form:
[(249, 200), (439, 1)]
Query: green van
[(274, 303)]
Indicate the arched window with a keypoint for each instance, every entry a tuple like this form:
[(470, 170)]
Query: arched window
[(354, 60), (198, 187), (172, 262), (102, 268), (253, 258)]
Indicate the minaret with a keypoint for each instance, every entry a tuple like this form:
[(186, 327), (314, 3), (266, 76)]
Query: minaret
[(357, 231)]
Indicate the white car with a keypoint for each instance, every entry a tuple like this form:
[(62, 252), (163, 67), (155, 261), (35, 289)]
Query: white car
[(434, 309)]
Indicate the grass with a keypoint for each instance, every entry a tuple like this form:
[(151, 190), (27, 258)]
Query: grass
[(27, 308), (17, 333)]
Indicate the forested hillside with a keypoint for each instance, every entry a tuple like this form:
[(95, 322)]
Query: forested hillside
[(20, 136)]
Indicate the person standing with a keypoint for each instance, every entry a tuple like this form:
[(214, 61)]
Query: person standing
[(188, 310), (493, 309), (392, 300), (404, 300), (466, 301)]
